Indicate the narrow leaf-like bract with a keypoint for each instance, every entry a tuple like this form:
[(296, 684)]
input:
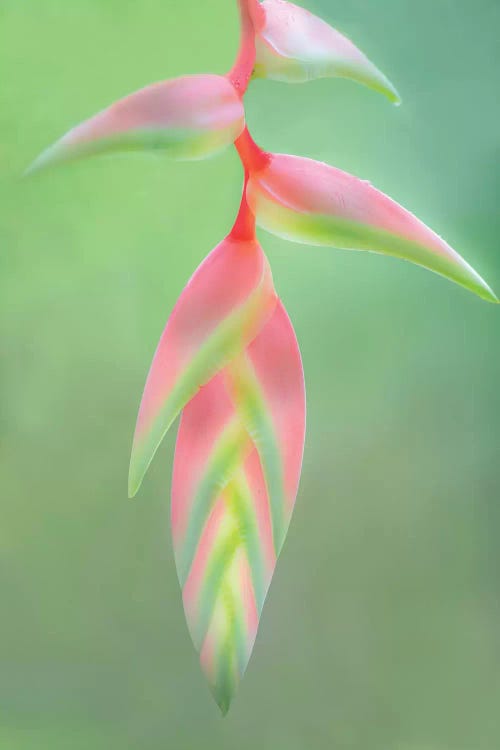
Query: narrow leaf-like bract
[(236, 472), (221, 310), (187, 118), (311, 202), (293, 45)]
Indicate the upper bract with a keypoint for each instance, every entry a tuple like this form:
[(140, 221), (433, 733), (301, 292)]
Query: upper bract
[(187, 118), (294, 45)]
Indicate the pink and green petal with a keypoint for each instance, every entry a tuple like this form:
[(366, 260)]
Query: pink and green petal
[(186, 118), (293, 45), (236, 473), (310, 202), (224, 306)]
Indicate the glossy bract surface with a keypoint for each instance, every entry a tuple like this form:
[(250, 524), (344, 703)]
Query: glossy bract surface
[(294, 45)]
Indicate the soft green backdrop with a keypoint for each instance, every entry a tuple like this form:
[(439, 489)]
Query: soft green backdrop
[(382, 629)]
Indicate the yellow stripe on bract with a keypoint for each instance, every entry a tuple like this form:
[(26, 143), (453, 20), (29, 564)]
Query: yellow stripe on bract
[(238, 532), (227, 631), (251, 404), (222, 554), (332, 231), (180, 145), (235, 607), (229, 451), (242, 506)]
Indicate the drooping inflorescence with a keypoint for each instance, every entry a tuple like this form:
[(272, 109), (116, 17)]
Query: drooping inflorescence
[(228, 360)]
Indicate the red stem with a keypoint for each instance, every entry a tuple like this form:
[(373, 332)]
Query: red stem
[(242, 70), (244, 226), (252, 156)]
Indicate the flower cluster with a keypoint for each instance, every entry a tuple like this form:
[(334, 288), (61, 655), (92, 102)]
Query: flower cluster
[(228, 359)]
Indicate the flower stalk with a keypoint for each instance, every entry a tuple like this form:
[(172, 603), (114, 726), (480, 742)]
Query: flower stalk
[(253, 158), (242, 70)]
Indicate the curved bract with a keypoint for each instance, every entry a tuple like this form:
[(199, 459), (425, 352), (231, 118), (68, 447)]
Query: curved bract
[(293, 45), (186, 118), (311, 202), (236, 473), (221, 310)]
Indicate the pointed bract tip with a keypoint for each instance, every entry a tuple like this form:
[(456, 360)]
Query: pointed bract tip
[(489, 295), (383, 86), (222, 698), (45, 160), (224, 708), (134, 483), (136, 473), (476, 284), (391, 93), (363, 71)]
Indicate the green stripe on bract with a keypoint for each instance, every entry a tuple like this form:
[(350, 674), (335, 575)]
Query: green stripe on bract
[(252, 406), (239, 532), (278, 67), (238, 535), (226, 342), (235, 611), (185, 144), (371, 77), (222, 555), (328, 231), (228, 454), (229, 652), (241, 503)]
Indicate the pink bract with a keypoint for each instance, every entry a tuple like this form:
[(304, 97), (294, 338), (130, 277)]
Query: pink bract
[(311, 202), (186, 118), (221, 310), (295, 46)]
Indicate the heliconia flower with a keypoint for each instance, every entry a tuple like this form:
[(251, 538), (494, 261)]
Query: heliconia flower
[(228, 358), (311, 202), (186, 118), (221, 310), (294, 45), (236, 473)]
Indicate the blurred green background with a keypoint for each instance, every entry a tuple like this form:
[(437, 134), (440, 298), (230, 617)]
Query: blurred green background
[(382, 629)]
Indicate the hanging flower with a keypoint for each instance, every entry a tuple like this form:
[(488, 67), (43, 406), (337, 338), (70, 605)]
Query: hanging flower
[(228, 359)]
